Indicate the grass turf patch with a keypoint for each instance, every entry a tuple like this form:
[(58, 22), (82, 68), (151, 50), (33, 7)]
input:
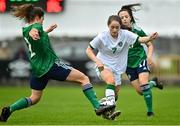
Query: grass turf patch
[(63, 105)]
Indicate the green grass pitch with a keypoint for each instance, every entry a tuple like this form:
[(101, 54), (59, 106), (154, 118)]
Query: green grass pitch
[(66, 105)]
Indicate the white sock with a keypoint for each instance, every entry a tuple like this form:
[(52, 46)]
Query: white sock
[(110, 95)]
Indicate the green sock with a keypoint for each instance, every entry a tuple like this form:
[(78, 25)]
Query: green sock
[(20, 104), (110, 86), (147, 96), (90, 94), (152, 84)]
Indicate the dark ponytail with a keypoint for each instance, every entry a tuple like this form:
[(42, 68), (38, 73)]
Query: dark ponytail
[(27, 12), (130, 8)]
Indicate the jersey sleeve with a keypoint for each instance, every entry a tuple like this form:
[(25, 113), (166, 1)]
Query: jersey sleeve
[(95, 43), (131, 37), (142, 33), (138, 31)]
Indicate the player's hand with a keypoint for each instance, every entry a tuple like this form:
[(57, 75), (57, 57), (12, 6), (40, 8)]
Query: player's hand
[(51, 28), (153, 36), (100, 65), (34, 34), (101, 68)]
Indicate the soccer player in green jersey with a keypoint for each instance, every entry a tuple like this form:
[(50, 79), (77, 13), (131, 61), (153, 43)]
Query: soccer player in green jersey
[(138, 62), (45, 64)]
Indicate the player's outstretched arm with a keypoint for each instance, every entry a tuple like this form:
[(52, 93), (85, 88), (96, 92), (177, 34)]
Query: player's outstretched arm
[(146, 39), (150, 49)]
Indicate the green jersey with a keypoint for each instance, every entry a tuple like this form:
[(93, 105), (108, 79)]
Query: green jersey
[(136, 53), (41, 55)]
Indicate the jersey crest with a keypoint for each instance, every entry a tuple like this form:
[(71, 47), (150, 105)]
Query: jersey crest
[(120, 44)]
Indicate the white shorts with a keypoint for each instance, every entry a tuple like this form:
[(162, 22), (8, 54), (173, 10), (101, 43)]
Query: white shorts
[(117, 77)]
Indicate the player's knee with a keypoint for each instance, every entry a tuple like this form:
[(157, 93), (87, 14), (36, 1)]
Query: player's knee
[(35, 99), (110, 81), (84, 79), (143, 81)]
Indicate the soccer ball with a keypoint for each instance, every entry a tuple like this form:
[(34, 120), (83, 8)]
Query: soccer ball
[(106, 101), (102, 100), (107, 115)]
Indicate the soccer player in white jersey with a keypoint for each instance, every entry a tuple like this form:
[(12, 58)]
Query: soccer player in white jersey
[(111, 60)]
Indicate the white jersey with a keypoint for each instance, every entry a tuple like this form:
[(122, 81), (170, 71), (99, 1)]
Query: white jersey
[(114, 52)]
